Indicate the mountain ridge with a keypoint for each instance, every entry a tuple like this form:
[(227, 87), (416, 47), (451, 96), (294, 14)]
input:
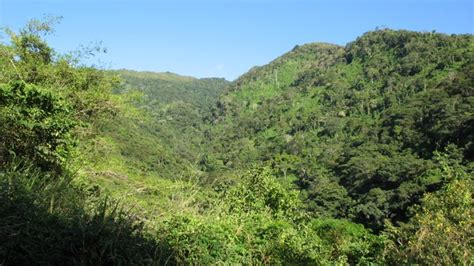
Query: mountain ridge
[(359, 154)]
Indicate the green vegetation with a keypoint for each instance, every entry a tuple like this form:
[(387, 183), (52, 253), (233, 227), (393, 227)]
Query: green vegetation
[(357, 127), (328, 155), (47, 216)]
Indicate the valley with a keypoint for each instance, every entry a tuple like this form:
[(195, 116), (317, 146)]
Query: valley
[(356, 154)]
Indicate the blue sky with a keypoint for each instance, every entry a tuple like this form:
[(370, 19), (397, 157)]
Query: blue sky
[(224, 38)]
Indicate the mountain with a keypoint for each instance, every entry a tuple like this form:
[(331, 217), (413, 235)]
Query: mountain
[(170, 109), (154, 142), (358, 128), (356, 154), (168, 88)]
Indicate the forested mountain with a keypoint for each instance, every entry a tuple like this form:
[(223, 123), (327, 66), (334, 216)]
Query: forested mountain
[(159, 135), (357, 127), (161, 89), (163, 135), (361, 154)]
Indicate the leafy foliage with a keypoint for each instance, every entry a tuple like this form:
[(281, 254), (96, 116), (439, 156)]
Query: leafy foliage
[(328, 155), (46, 222), (35, 125), (46, 105), (258, 221), (356, 126), (441, 230)]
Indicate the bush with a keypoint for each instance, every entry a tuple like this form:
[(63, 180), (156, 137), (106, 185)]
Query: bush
[(46, 222), (35, 125), (441, 231)]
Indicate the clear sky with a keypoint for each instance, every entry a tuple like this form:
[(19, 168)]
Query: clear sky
[(225, 38)]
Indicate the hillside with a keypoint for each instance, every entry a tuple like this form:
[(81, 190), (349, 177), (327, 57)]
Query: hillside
[(163, 133), (349, 155), (154, 143), (357, 127), (167, 88)]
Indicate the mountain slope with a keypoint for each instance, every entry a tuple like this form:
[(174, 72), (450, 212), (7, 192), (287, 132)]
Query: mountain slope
[(328, 155), (167, 88), (356, 127), (155, 143)]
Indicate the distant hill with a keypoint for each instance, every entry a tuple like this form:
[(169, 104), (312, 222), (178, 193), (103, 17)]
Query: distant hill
[(166, 87), (164, 133)]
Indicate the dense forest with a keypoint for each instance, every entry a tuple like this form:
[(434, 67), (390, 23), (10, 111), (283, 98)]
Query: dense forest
[(328, 155)]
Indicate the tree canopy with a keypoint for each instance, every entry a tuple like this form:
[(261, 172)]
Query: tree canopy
[(359, 154)]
